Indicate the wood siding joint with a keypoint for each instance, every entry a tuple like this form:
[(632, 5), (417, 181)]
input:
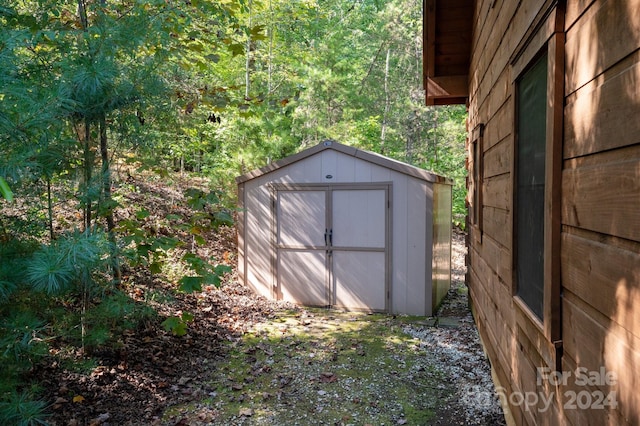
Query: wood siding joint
[(558, 345)]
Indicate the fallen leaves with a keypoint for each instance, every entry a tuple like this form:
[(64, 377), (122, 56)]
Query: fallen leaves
[(328, 377), (246, 412), (297, 369)]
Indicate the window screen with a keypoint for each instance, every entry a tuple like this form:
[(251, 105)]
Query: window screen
[(530, 186)]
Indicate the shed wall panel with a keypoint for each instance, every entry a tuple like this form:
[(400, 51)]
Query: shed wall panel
[(258, 236), (410, 275), (441, 244), (400, 253), (416, 233)]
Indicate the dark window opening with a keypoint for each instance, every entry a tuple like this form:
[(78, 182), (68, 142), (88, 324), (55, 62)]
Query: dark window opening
[(530, 184), (477, 158)]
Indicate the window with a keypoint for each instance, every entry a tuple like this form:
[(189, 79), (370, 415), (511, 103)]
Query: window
[(537, 71), (477, 157), (531, 104)]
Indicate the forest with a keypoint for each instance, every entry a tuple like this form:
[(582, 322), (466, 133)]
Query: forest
[(102, 99)]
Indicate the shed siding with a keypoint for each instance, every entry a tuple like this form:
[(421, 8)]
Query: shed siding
[(600, 192), (441, 243), (410, 233), (412, 224)]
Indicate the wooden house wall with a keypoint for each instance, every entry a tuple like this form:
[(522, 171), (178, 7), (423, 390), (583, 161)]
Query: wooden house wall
[(411, 225), (599, 211)]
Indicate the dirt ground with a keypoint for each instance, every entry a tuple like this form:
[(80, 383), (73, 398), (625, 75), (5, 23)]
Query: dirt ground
[(246, 360)]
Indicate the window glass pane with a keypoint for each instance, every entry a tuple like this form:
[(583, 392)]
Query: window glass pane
[(532, 107)]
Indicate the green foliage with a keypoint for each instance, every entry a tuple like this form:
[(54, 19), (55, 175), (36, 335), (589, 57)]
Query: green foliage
[(211, 88), (21, 346), (80, 88), (68, 261), (111, 315), (22, 409), (143, 247), (209, 212), (206, 274), (178, 325), (49, 271), (21, 343), (5, 191)]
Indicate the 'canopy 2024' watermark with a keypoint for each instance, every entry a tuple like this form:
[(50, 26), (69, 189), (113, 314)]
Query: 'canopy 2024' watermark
[(585, 398)]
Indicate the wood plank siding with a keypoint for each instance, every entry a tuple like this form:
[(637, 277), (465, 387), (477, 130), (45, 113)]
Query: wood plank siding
[(590, 320)]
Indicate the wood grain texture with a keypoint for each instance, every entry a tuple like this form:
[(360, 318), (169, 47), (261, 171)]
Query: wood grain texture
[(603, 198), (593, 342), (605, 277), (593, 198), (603, 114), (604, 34)]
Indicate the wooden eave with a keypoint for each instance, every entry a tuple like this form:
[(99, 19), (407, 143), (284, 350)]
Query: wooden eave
[(447, 27)]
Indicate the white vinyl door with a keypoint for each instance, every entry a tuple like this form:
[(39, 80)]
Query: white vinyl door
[(331, 246), (359, 223), (301, 249)]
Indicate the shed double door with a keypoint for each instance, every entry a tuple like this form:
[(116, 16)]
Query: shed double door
[(332, 246)]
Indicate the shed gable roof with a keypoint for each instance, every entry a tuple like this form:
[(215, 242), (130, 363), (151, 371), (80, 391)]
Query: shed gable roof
[(371, 157)]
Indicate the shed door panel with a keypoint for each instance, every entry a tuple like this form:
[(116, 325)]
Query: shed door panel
[(301, 263), (302, 277), (301, 218), (331, 247), (359, 280), (359, 218)]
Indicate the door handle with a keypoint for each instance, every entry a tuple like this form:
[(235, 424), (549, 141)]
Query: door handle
[(325, 236), (330, 237)]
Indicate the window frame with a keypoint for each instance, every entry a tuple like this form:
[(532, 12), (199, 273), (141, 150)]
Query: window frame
[(477, 178), (530, 169), (546, 37)]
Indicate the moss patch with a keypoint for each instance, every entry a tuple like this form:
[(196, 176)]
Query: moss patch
[(324, 367)]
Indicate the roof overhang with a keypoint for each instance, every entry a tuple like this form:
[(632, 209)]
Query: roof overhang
[(447, 26), (368, 156)]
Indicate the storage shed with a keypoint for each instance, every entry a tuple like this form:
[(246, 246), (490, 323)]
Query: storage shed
[(335, 226)]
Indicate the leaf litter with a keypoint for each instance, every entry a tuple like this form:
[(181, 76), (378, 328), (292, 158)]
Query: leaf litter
[(246, 360)]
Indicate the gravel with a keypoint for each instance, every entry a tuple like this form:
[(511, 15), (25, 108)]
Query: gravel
[(317, 367), (247, 360)]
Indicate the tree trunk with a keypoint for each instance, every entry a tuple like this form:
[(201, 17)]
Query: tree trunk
[(270, 56), (82, 14), (50, 208), (108, 200), (88, 166), (387, 101), (247, 74), (435, 134)]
